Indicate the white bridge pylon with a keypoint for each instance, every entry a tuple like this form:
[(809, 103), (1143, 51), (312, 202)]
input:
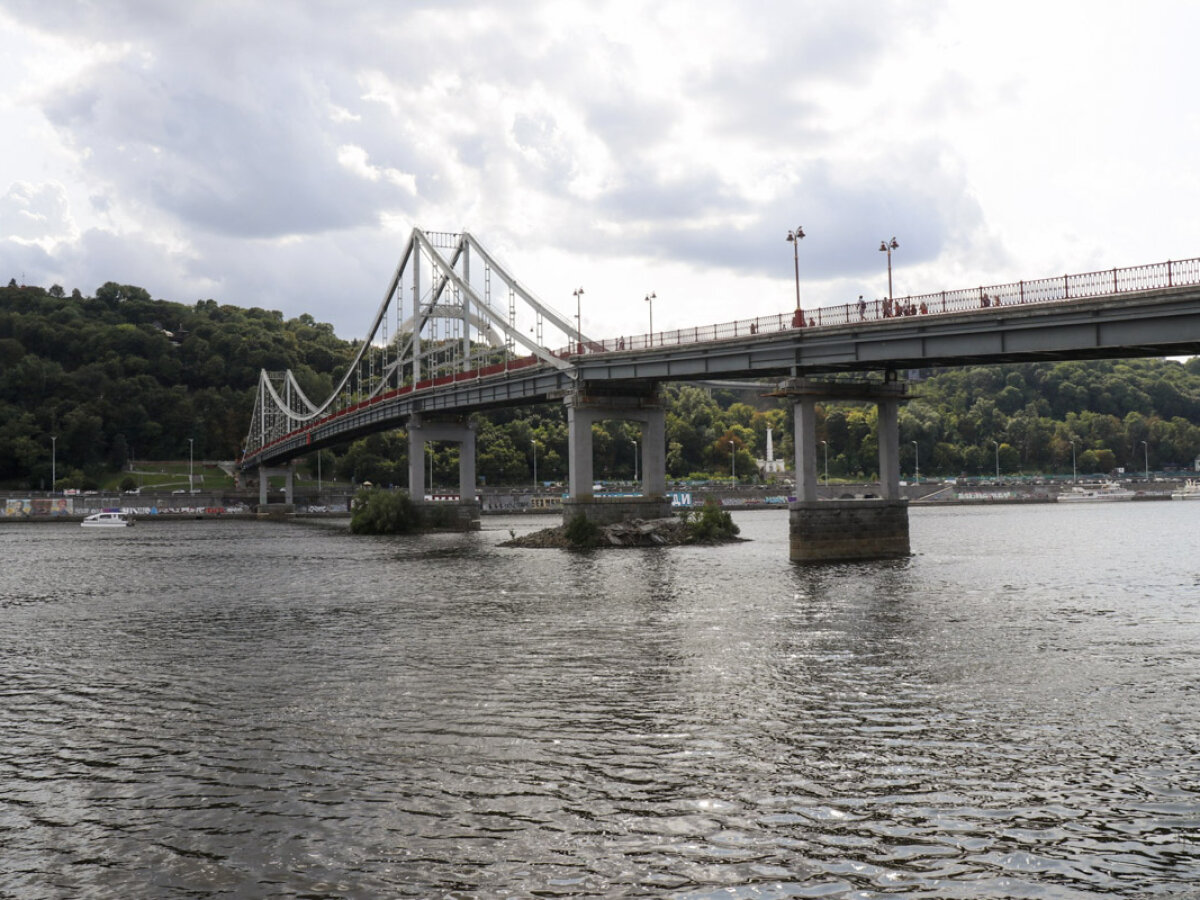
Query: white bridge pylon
[(450, 307)]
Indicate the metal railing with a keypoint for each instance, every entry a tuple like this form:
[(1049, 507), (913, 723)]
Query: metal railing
[(1058, 289)]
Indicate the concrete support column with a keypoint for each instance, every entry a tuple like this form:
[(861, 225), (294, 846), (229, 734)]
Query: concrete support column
[(585, 410), (579, 450), (416, 458), (805, 414), (466, 464), (653, 450), (421, 432), (265, 506), (889, 449)]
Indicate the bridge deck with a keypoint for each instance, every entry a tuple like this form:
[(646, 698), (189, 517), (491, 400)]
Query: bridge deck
[(1125, 313)]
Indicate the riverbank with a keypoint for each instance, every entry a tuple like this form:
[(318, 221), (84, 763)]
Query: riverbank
[(35, 507)]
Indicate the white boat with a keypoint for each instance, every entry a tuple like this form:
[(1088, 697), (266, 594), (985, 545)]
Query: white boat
[(107, 520), (1189, 491), (1107, 492)]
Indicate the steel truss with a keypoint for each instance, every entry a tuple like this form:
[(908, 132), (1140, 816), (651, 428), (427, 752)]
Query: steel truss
[(443, 318)]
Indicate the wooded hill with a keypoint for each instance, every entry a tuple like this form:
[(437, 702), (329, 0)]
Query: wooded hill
[(120, 374)]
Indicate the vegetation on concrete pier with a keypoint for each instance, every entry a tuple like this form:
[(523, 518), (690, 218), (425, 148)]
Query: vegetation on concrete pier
[(378, 511)]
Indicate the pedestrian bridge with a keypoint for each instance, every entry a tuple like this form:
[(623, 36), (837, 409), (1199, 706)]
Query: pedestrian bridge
[(456, 333)]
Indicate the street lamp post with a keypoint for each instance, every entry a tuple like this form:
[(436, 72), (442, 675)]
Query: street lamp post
[(534, 443), (825, 444), (579, 319), (650, 298), (997, 443), (53, 461), (635, 461), (794, 238), (733, 461), (916, 462), (1146, 447), (887, 247), (1074, 476), (191, 447)]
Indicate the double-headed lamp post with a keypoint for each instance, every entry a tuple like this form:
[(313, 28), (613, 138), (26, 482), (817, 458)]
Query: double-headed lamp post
[(825, 444), (916, 462), (635, 461), (579, 318), (733, 461), (650, 298), (794, 237), (191, 446), (1146, 447), (53, 461), (997, 444), (534, 444), (887, 247), (1074, 476)]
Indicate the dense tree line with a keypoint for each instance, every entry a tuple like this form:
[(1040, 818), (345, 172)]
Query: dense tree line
[(1032, 413), (120, 374)]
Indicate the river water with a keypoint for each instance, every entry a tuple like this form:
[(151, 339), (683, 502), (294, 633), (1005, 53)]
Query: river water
[(245, 709)]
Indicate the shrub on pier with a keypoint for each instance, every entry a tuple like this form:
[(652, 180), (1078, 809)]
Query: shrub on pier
[(710, 524), (378, 511)]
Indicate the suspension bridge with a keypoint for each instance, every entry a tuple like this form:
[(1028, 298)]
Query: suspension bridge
[(457, 333)]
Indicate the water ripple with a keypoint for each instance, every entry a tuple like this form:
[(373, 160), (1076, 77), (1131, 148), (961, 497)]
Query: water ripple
[(256, 709)]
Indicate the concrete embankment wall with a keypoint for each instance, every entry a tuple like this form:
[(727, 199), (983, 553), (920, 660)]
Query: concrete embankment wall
[(32, 507)]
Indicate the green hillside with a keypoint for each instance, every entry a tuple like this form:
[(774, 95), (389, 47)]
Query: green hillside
[(122, 376)]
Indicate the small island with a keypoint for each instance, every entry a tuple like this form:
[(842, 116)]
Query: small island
[(709, 525)]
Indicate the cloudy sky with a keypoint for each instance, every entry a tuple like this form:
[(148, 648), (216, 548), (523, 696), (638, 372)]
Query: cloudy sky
[(278, 154)]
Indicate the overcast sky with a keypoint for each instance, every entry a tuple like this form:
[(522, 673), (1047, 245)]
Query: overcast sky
[(279, 154)]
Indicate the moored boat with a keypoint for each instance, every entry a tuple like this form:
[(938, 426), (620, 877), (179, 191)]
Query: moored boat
[(1107, 492), (1189, 491), (107, 520)]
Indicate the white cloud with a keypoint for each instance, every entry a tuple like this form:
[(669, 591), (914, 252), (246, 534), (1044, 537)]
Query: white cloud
[(207, 150), (35, 214)]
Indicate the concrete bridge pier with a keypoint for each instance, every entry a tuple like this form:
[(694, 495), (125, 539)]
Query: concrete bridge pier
[(265, 506), (586, 409), (462, 515), (833, 530)]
